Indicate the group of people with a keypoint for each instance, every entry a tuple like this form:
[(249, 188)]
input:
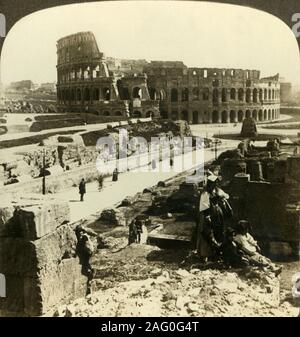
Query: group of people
[(100, 180), (135, 231), (220, 237)]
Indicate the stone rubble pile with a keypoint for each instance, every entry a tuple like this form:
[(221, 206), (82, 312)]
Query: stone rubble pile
[(186, 293)]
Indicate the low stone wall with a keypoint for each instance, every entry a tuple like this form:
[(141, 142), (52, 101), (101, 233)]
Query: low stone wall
[(38, 258), (55, 183)]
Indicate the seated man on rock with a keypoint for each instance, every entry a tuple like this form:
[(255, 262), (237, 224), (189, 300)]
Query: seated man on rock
[(246, 243), (232, 255)]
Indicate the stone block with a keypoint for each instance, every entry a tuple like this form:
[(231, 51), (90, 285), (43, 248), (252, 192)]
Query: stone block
[(40, 274), (17, 257), (13, 303), (55, 247), (33, 219), (113, 216)]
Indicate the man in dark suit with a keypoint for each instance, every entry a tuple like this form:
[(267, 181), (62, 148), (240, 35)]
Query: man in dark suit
[(82, 189)]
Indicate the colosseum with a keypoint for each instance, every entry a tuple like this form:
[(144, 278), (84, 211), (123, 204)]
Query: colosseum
[(88, 81)]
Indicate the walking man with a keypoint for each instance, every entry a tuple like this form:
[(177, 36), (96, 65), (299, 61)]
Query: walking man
[(82, 189)]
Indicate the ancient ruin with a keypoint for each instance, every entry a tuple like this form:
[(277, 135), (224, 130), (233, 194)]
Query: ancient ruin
[(87, 81)]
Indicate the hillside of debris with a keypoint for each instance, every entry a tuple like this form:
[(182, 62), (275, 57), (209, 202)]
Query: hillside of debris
[(142, 280)]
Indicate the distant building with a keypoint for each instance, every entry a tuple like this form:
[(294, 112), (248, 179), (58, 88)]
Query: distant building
[(21, 86), (88, 81), (285, 92), (48, 87)]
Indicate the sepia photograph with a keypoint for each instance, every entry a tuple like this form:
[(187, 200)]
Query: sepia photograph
[(149, 161)]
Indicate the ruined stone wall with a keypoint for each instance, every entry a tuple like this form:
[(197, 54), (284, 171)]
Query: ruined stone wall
[(273, 210), (211, 95), (169, 89), (55, 183), (37, 257), (84, 82)]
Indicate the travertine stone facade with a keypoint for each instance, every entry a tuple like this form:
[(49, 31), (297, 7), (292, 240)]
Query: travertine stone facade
[(87, 81)]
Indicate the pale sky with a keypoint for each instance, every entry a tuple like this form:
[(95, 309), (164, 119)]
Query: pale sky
[(200, 34)]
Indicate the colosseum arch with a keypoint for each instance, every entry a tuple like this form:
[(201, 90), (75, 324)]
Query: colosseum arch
[(125, 95), (164, 114), (87, 95), (137, 92), (78, 95), (224, 95), (255, 95), (152, 93), (67, 94), (215, 116), (184, 115), (205, 94), (240, 116), (241, 94), (224, 117), (106, 94), (137, 114), (232, 116), (254, 115), (260, 95), (63, 95), (265, 115), (195, 117), (195, 94), (174, 95), (248, 113), (248, 95), (174, 115), (215, 82), (185, 94), (232, 94), (96, 94), (269, 114), (162, 95), (215, 95), (72, 97), (260, 115)]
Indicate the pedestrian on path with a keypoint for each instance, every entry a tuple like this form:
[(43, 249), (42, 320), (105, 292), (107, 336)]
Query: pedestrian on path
[(100, 182), (82, 189), (115, 175)]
